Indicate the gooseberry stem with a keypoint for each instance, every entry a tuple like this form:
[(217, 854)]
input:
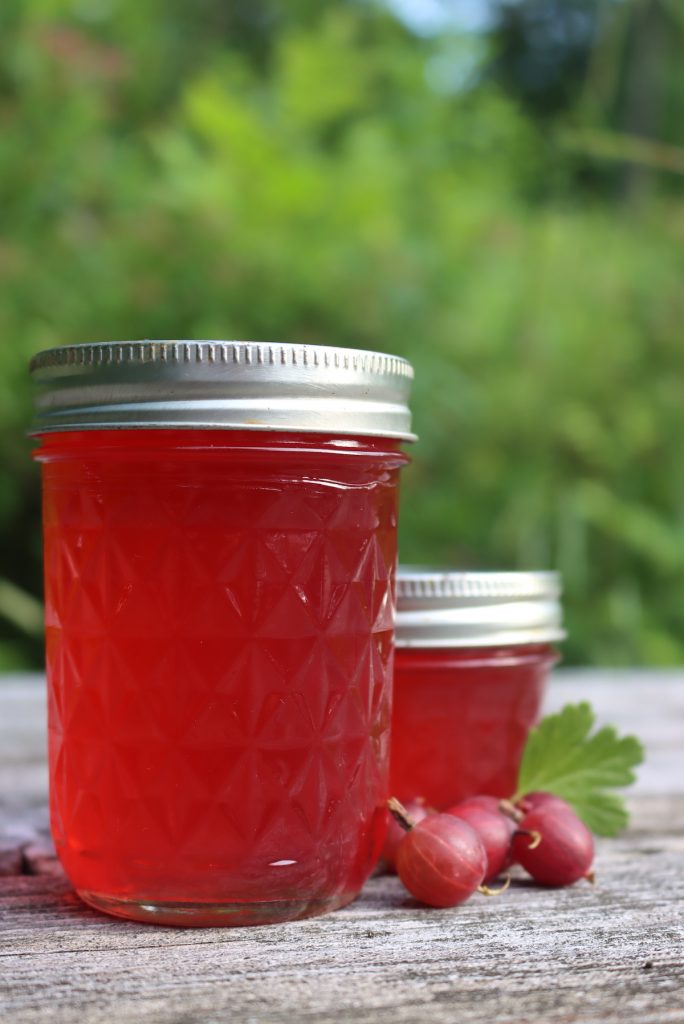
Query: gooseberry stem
[(400, 814), (486, 891), (534, 835), (508, 808)]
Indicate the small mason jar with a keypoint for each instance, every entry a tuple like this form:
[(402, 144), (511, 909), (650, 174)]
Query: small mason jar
[(220, 547), (473, 654)]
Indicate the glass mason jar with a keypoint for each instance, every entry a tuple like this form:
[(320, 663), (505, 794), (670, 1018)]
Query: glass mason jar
[(220, 548), (473, 654)]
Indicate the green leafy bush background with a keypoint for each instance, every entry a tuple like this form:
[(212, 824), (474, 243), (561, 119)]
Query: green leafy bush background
[(302, 172)]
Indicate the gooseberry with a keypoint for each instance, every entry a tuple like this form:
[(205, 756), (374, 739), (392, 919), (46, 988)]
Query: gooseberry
[(554, 846), (441, 860)]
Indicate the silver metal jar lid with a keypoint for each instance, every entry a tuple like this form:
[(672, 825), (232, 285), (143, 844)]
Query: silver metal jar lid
[(234, 385), (477, 609)]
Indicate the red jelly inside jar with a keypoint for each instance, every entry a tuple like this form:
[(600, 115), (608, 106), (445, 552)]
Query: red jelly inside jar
[(219, 627), (468, 680)]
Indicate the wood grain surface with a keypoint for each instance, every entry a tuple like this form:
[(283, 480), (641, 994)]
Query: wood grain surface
[(609, 953)]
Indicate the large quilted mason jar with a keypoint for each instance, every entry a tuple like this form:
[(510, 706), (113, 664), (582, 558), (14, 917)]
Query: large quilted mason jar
[(220, 547)]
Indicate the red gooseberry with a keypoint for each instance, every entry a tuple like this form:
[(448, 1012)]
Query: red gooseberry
[(554, 846), (441, 861)]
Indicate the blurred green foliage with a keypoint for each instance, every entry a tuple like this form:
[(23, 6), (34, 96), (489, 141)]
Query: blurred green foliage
[(318, 172)]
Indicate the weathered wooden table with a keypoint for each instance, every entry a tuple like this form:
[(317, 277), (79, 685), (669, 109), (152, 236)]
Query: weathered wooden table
[(610, 953)]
